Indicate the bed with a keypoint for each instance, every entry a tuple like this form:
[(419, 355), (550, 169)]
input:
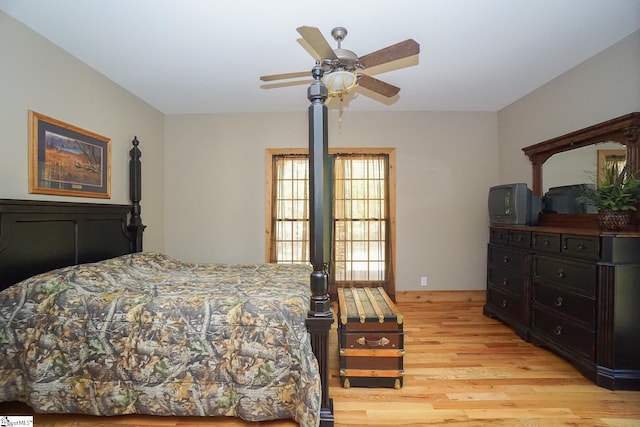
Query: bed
[(144, 333), (92, 324)]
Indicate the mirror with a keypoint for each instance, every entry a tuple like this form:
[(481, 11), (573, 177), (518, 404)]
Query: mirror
[(623, 130), (582, 165)]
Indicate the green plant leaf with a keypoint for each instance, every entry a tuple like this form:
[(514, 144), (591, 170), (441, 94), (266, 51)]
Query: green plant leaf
[(619, 190)]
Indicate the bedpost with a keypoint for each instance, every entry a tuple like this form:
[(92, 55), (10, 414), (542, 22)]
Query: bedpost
[(136, 228), (320, 316)]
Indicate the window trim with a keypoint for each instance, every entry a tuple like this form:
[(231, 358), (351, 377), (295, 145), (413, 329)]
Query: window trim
[(389, 151)]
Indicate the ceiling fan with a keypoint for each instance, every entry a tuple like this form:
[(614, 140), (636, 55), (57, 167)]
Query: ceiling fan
[(343, 69)]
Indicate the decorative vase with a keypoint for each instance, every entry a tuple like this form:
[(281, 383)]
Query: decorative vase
[(614, 220)]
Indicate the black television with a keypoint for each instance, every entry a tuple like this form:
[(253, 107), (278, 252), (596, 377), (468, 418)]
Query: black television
[(564, 200), (513, 204)]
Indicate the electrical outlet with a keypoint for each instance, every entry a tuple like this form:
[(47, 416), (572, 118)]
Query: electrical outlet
[(423, 281)]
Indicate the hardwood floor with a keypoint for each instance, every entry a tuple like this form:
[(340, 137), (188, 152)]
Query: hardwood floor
[(461, 368)]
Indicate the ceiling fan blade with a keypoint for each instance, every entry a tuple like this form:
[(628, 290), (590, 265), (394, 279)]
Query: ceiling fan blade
[(394, 52), (393, 65), (286, 83), (285, 76), (378, 86), (306, 46), (318, 43)]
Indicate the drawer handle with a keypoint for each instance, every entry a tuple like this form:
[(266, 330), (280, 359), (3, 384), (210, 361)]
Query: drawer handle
[(546, 242), (558, 302), (377, 343), (560, 274), (505, 259), (519, 238), (505, 281), (558, 330), (504, 303), (581, 246)]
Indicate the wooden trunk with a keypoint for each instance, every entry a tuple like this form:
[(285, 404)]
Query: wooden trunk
[(371, 338)]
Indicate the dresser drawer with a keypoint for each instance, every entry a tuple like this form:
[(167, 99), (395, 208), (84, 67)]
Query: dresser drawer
[(586, 247), (506, 280), (520, 239), (579, 307), (499, 235), (516, 238), (507, 303), (564, 332), (546, 242), (579, 276), (507, 258)]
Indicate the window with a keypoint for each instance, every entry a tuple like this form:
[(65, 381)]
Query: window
[(362, 216), (290, 216), (359, 217)]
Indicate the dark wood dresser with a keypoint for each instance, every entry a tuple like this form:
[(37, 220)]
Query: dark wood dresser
[(573, 291)]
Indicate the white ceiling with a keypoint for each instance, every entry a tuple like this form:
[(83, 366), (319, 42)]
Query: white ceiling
[(206, 56)]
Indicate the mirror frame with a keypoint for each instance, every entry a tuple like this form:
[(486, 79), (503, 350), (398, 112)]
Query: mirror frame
[(624, 130)]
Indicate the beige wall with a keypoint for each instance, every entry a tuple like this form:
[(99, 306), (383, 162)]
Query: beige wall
[(37, 75), (215, 193), (601, 88)]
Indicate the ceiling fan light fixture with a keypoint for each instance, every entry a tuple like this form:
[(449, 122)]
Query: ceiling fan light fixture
[(340, 82)]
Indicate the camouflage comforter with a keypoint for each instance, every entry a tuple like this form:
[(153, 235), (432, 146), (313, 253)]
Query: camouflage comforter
[(148, 334)]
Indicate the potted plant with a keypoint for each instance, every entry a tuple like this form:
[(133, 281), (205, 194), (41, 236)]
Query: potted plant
[(616, 197)]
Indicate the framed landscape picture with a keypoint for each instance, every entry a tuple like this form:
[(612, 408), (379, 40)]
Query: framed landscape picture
[(65, 160)]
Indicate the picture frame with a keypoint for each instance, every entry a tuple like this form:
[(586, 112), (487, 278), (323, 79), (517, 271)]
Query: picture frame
[(65, 160), (608, 156)]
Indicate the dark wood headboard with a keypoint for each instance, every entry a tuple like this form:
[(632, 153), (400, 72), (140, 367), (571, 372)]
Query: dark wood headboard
[(38, 236)]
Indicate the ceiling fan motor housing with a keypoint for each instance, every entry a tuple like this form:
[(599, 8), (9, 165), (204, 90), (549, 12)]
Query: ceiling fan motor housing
[(347, 60)]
